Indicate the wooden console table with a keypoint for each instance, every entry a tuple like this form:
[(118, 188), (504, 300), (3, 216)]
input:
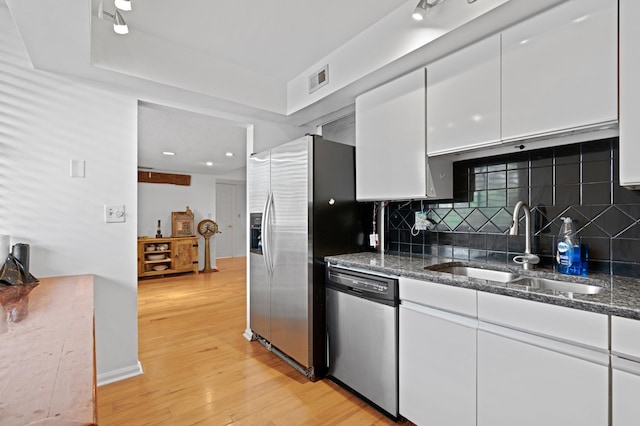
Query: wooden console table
[(47, 361), (177, 255)]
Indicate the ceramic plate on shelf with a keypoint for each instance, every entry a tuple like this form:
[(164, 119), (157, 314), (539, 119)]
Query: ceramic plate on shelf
[(156, 257), (160, 267)]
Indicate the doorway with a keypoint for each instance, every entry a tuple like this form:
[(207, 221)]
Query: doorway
[(230, 212)]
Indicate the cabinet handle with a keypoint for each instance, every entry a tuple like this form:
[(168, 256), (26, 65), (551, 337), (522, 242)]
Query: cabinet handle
[(453, 318)]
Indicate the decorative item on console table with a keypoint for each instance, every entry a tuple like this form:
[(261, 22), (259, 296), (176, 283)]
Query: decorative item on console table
[(208, 228), (182, 223), (15, 285)]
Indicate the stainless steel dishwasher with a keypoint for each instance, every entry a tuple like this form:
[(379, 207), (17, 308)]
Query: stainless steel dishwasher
[(362, 334)]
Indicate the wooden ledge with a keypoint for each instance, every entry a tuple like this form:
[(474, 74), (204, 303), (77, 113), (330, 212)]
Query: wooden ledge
[(47, 367)]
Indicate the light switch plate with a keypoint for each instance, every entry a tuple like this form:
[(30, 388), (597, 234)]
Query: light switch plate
[(114, 213), (77, 168)]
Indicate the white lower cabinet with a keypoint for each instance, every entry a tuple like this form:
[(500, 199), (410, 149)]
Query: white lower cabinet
[(437, 361), (525, 382), (625, 389), (475, 358), (625, 371), (526, 377)]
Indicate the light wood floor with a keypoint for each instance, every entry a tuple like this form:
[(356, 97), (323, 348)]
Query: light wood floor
[(200, 370)]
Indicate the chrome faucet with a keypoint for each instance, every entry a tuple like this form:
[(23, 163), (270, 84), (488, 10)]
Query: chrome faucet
[(527, 260)]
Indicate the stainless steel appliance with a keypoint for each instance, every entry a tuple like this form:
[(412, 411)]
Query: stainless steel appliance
[(304, 191), (362, 332)]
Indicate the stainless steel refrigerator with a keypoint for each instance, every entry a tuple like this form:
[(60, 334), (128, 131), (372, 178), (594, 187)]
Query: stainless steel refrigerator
[(302, 207)]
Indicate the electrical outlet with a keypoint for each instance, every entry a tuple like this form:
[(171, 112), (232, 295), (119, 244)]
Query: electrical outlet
[(114, 214), (422, 223)]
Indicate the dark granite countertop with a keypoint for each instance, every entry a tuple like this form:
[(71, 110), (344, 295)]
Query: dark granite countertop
[(620, 297)]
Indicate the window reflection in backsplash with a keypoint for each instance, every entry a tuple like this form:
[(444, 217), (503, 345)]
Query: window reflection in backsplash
[(578, 180)]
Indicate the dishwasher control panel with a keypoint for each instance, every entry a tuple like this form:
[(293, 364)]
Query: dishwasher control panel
[(358, 282), (383, 288)]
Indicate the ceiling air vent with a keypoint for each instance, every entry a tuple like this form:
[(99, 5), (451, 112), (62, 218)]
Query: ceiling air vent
[(318, 79)]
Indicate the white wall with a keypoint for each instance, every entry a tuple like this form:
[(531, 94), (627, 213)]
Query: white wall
[(342, 130), (240, 245), (45, 121), (157, 201)]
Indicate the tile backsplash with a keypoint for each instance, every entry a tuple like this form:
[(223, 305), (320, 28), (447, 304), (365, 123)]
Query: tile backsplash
[(578, 180)]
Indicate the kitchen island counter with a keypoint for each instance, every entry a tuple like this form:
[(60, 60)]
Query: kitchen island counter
[(620, 295)]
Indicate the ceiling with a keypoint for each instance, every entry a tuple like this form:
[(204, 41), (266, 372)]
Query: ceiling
[(224, 64), (195, 139), (278, 39)]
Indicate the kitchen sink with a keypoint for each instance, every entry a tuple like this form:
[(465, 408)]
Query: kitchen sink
[(534, 283), (479, 273)]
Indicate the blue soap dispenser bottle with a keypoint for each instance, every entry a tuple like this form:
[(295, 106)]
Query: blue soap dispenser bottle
[(568, 259)]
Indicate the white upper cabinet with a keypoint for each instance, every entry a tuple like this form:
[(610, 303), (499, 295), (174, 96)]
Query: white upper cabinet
[(629, 93), (391, 162), (559, 70), (463, 99)]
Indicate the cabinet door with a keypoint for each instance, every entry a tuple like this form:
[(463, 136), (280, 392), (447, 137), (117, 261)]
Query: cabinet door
[(522, 381), (625, 363), (288, 248), (184, 252), (390, 140), (559, 70), (629, 93), (625, 388), (463, 99), (437, 367)]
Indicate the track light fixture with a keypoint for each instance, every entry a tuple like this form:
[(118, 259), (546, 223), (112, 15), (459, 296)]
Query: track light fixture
[(423, 7), (119, 24), (123, 4)]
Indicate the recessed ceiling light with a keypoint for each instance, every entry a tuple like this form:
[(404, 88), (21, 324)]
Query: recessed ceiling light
[(168, 153), (229, 154), (209, 163)]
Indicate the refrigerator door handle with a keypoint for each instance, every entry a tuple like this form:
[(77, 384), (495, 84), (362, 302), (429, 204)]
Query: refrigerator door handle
[(270, 250), (266, 241), (263, 227)]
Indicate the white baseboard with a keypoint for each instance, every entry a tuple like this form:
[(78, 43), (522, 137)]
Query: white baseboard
[(120, 374), (248, 334)]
